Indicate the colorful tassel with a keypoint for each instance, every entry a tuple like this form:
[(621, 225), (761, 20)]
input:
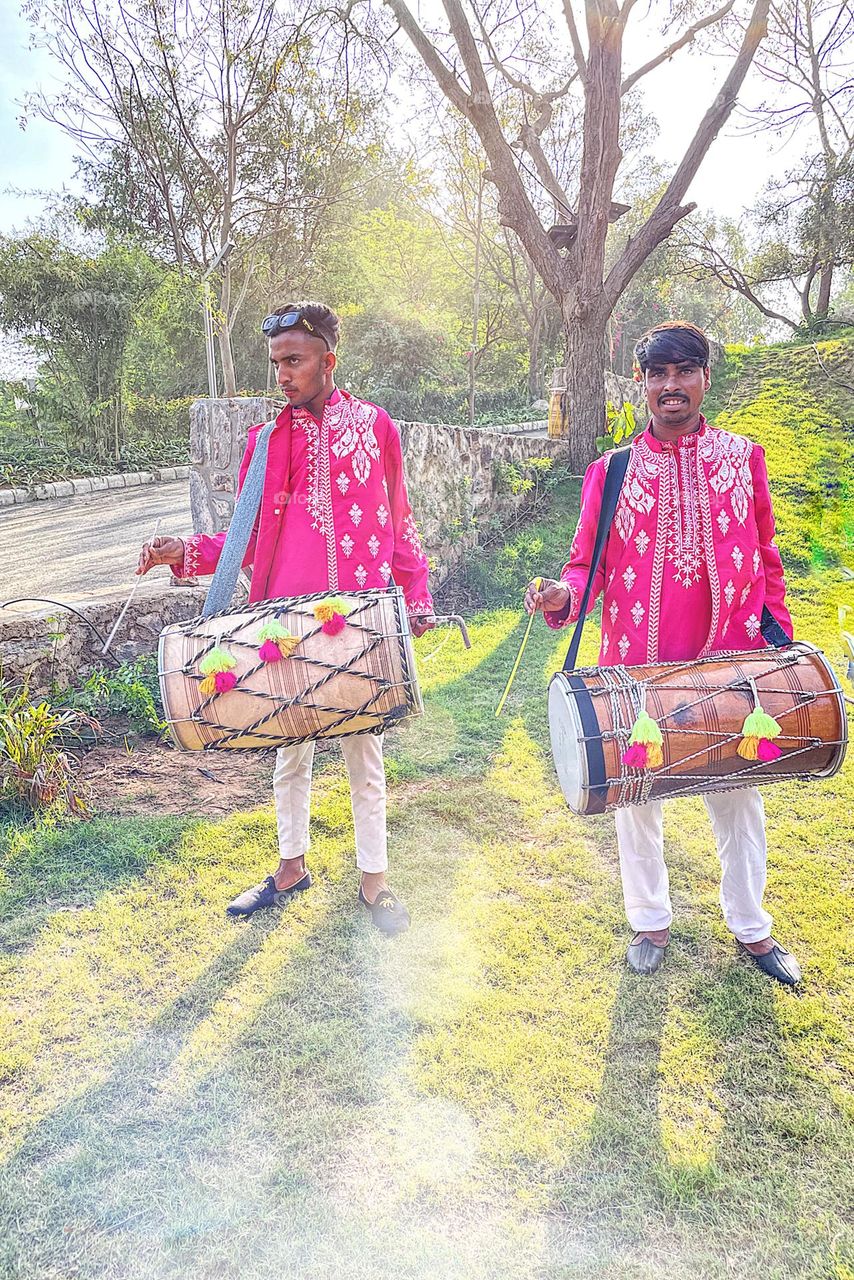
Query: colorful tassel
[(758, 733), (645, 742), (332, 615), (277, 641), (225, 680), (217, 669), (207, 686)]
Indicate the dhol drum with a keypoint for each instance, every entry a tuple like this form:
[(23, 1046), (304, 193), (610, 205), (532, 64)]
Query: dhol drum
[(322, 678), (700, 708)]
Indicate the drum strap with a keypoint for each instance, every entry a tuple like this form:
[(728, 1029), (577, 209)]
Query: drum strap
[(221, 590), (614, 477)]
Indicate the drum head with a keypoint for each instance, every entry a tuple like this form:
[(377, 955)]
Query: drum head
[(567, 744)]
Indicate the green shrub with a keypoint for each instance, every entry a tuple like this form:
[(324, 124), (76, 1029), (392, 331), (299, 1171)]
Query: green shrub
[(132, 689), (36, 770)]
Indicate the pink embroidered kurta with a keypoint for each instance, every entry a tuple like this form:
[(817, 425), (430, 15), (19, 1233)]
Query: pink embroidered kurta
[(334, 515), (690, 560)]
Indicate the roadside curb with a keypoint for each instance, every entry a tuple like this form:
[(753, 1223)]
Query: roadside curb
[(90, 484)]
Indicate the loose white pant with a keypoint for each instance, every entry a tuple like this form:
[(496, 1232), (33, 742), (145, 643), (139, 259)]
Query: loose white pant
[(738, 823), (363, 756)]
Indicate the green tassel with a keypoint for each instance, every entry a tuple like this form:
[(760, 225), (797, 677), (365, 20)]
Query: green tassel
[(215, 661), (760, 725), (646, 730), (272, 630)]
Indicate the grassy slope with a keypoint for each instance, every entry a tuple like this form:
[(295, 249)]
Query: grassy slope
[(492, 1095)]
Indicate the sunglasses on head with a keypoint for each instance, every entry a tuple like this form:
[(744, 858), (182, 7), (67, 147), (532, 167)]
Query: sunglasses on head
[(273, 325)]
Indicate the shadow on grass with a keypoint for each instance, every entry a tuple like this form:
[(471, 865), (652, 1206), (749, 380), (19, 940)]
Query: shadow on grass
[(67, 866)]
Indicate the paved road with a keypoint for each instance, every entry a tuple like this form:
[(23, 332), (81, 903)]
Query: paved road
[(85, 548)]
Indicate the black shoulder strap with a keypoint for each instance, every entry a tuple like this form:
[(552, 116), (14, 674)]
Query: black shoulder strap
[(772, 632), (614, 477)]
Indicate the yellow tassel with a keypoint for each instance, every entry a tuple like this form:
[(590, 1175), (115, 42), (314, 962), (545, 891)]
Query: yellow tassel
[(287, 644), (208, 686), (654, 756), (747, 748)]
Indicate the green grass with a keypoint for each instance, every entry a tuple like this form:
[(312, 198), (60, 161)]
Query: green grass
[(491, 1096)]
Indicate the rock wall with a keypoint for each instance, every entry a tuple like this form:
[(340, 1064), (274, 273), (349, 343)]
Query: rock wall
[(54, 647), (458, 483)]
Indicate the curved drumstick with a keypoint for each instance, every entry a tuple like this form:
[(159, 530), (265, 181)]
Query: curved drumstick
[(452, 619)]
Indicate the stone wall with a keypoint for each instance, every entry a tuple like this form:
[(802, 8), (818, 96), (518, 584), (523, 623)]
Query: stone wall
[(54, 647), (454, 474)]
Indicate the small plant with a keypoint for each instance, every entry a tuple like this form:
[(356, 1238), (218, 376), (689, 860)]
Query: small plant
[(620, 425), (36, 771), (132, 689)]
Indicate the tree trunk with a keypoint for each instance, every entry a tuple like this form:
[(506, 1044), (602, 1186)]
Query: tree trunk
[(226, 352), (535, 373), (825, 283), (585, 387)]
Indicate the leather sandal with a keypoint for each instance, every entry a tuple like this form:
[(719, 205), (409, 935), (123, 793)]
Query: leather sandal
[(644, 956), (266, 895), (777, 963)]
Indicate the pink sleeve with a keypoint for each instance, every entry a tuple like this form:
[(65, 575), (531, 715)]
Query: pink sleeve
[(409, 566), (202, 551), (575, 572), (775, 583)]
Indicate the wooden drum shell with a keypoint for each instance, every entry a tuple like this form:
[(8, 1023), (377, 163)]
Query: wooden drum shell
[(701, 707), (361, 680)]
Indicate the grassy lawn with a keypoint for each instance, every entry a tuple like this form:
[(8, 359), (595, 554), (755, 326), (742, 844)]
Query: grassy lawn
[(491, 1095)]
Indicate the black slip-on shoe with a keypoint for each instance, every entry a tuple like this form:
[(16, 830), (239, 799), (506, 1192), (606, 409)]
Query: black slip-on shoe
[(387, 912), (266, 895), (643, 956), (778, 963)]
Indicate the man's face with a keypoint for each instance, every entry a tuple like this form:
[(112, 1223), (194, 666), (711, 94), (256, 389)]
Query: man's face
[(674, 392), (302, 364)]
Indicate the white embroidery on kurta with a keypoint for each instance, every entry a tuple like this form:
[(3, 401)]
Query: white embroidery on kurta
[(355, 514), (613, 611), (410, 535), (638, 612), (729, 592), (728, 457), (343, 482), (725, 628), (723, 522), (605, 641), (684, 545), (347, 545), (745, 593), (751, 626), (382, 515), (642, 542), (737, 557), (385, 571), (353, 435), (636, 495), (319, 482), (623, 646), (192, 564), (757, 560), (360, 573), (629, 577), (373, 545)]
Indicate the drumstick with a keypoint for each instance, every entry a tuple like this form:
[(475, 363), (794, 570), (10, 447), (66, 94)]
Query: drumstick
[(538, 582), (136, 582)]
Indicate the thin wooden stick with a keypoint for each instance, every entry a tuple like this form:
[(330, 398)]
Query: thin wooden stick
[(538, 582), (117, 623)]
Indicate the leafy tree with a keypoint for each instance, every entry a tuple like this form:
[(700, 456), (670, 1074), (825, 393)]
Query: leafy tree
[(76, 310)]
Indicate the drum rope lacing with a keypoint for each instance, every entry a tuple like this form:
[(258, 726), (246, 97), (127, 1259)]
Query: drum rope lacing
[(343, 714), (636, 787)]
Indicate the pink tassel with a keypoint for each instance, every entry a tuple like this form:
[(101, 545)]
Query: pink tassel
[(270, 652), (767, 750), (635, 756), (225, 680), (335, 624)]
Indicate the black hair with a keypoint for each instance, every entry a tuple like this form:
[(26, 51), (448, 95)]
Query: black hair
[(318, 314), (672, 342)]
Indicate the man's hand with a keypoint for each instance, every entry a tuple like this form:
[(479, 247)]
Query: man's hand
[(550, 597), (419, 626), (160, 551)]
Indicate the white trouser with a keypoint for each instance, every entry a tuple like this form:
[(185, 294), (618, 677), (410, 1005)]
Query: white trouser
[(738, 823), (363, 756)]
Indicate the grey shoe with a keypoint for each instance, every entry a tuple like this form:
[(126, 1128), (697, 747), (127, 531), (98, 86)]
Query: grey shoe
[(266, 895), (643, 956), (778, 963), (387, 912)]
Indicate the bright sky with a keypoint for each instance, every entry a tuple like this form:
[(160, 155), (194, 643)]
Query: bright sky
[(678, 93)]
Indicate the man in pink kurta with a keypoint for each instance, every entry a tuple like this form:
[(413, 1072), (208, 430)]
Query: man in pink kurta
[(334, 516), (690, 568)]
